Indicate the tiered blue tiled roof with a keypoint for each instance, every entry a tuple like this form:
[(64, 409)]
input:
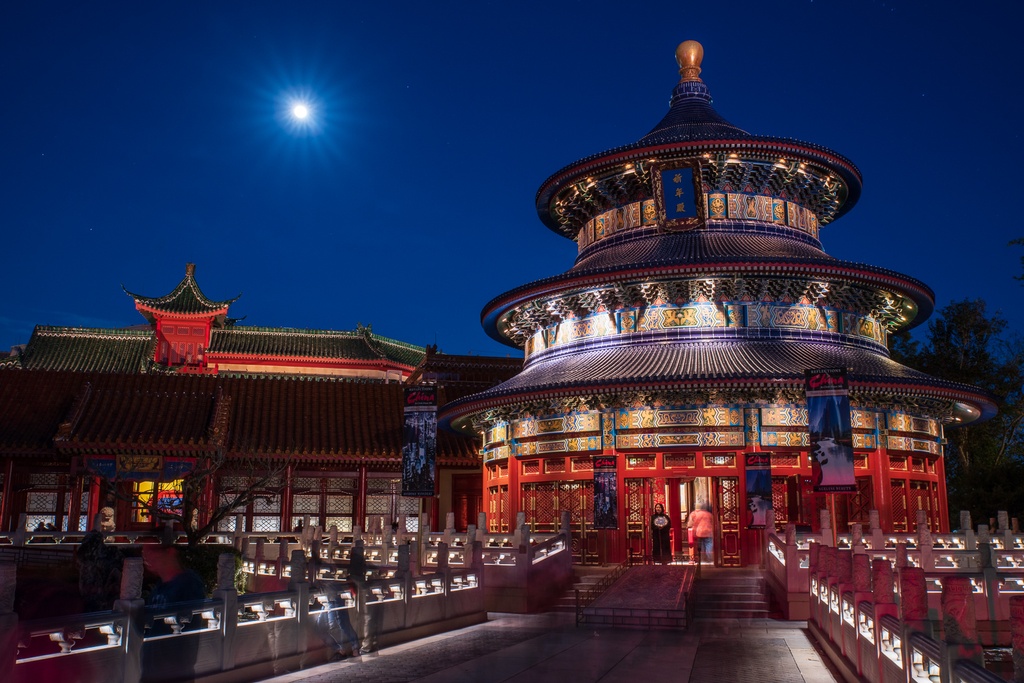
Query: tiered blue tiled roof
[(654, 365)]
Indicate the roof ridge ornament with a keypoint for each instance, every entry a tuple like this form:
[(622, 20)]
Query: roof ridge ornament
[(689, 55)]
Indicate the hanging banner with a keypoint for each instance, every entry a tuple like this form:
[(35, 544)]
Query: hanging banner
[(419, 449), (831, 434), (606, 493), (759, 488)]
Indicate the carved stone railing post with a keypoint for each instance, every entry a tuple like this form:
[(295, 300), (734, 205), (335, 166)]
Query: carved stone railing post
[(924, 540), (332, 542), (984, 547), (442, 557), (282, 556), (8, 621), (875, 529), (403, 559), (790, 535), (861, 573), (857, 537), (238, 537), (19, 531), (902, 560), (828, 534), (227, 594), (1017, 636), (882, 582), (299, 584), (959, 624), (914, 600), (481, 525), (844, 566), (132, 605), (967, 529)]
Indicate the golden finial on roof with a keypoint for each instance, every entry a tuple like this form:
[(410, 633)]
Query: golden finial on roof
[(190, 270), (689, 55)]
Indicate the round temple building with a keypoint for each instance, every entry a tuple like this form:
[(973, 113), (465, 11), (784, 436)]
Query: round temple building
[(680, 360)]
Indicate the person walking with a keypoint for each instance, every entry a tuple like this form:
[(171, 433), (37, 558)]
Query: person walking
[(661, 541), (703, 526)]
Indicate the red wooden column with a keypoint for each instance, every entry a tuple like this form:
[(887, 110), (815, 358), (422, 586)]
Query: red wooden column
[(360, 511), (943, 502), (515, 496), (878, 463), (286, 498)]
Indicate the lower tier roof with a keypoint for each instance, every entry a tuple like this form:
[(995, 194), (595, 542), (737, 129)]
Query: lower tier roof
[(752, 363)]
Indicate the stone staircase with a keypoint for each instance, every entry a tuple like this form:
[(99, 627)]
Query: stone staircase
[(731, 593), (584, 576)]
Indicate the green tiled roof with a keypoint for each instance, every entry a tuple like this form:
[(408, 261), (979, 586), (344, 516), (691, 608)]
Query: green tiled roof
[(87, 350), (185, 298), (283, 341)]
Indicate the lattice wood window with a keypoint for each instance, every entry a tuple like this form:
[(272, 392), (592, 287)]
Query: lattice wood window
[(641, 462), (531, 467), (780, 501), (785, 460), (897, 463), (860, 462), (554, 466), (917, 464), (582, 464), (719, 460), (680, 461), (898, 496)]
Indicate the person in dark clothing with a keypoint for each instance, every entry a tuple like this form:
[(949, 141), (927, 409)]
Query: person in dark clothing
[(357, 570), (175, 658), (99, 572), (661, 540)]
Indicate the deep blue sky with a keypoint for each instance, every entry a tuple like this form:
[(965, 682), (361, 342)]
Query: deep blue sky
[(138, 136)]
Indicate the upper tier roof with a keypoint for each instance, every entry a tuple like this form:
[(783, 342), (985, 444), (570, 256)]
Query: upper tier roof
[(185, 299), (692, 126)]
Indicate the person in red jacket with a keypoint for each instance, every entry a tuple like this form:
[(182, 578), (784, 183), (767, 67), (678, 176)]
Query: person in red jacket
[(703, 526)]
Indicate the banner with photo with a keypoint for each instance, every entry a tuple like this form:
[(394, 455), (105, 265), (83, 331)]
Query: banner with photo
[(830, 430), (606, 493), (419, 449), (759, 488)]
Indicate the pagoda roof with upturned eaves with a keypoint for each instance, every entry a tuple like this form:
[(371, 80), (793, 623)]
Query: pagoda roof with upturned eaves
[(309, 420), (692, 127), (679, 359), (185, 299), (281, 342), (84, 349)]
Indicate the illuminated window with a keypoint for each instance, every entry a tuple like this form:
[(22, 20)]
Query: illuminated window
[(168, 499)]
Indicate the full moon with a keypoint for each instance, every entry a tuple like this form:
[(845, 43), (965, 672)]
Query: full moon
[(300, 111)]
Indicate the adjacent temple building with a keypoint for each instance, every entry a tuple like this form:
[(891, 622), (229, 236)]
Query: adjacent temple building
[(678, 342), (674, 346), (89, 409)]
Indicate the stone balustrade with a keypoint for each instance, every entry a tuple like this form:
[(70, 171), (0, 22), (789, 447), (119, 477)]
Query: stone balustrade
[(251, 636), (905, 607)]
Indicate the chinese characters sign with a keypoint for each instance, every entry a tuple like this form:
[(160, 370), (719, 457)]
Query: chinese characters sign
[(678, 197)]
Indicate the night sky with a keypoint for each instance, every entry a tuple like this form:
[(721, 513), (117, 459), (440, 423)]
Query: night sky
[(139, 136)]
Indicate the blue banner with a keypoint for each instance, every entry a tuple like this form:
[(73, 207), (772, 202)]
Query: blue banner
[(759, 488), (606, 493), (419, 449), (830, 431)]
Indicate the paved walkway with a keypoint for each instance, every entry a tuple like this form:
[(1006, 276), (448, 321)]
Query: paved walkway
[(538, 648)]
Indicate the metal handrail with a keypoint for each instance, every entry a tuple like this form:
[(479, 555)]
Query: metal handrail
[(588, 596)]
